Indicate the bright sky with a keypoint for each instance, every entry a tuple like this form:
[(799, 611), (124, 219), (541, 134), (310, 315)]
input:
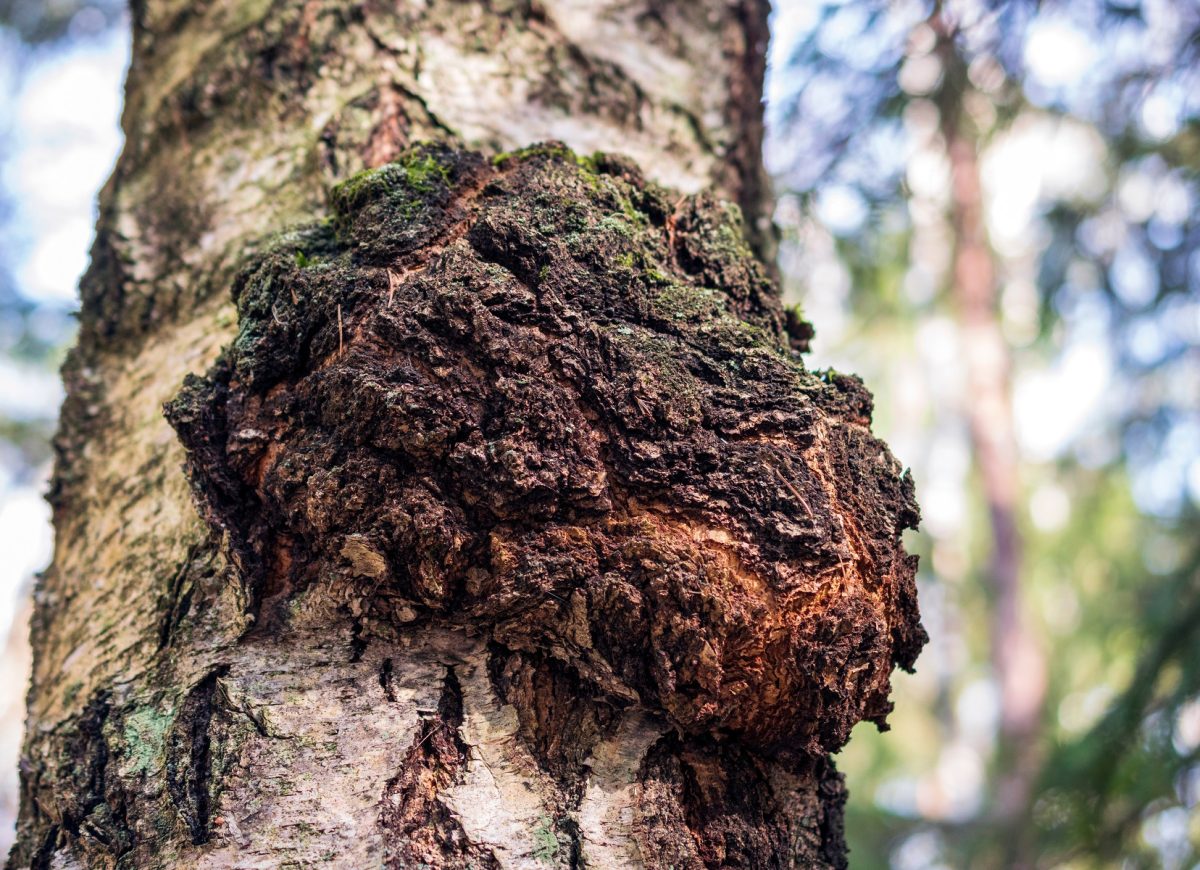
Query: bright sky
[(61, 110), (65, 140)]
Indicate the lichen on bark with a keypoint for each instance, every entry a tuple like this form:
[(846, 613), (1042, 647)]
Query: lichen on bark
[(547, 400)]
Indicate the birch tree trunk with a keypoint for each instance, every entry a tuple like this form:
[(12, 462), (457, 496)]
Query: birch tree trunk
[(508, 529)]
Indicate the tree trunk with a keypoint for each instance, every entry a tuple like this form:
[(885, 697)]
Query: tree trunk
[(1017, 659), (512, 533)]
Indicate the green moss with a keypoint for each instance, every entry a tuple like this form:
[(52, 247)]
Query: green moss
[(631, 212), (404, 188), (145, 733), (548, 149), (554, 214), (417, 172), (680, 302), (669, 391), (616, 224), (745, 337), (729, 237), (164, 830), (545, 839)]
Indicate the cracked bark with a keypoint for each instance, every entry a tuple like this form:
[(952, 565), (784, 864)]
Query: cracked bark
[(514, 532)]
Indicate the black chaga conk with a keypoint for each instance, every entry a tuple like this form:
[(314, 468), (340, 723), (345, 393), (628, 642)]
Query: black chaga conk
[(555, 402)]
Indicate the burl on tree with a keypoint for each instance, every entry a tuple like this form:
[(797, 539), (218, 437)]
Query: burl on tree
[(546, 400)]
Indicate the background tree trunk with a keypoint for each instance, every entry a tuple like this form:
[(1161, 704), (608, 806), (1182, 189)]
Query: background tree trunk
[(1018, 661), (215, 691)]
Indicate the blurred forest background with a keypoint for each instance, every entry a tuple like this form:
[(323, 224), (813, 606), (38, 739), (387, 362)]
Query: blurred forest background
[(990, 212)]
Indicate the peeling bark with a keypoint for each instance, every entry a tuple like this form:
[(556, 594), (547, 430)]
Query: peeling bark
[(524, 539)]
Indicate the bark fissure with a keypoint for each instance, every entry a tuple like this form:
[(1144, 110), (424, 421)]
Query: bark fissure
[(385, 680), (189, 757), (198, 566), (421, 830)]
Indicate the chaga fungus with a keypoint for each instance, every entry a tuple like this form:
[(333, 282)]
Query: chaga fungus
[(545, 398)]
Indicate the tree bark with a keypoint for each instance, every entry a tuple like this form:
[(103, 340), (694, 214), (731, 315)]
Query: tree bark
[(523, 538)]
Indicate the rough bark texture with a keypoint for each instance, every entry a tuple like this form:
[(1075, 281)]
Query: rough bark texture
[(525, 538)]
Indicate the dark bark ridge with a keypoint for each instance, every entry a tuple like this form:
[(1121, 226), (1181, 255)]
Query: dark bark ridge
[(424, 833), (559, 405)]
